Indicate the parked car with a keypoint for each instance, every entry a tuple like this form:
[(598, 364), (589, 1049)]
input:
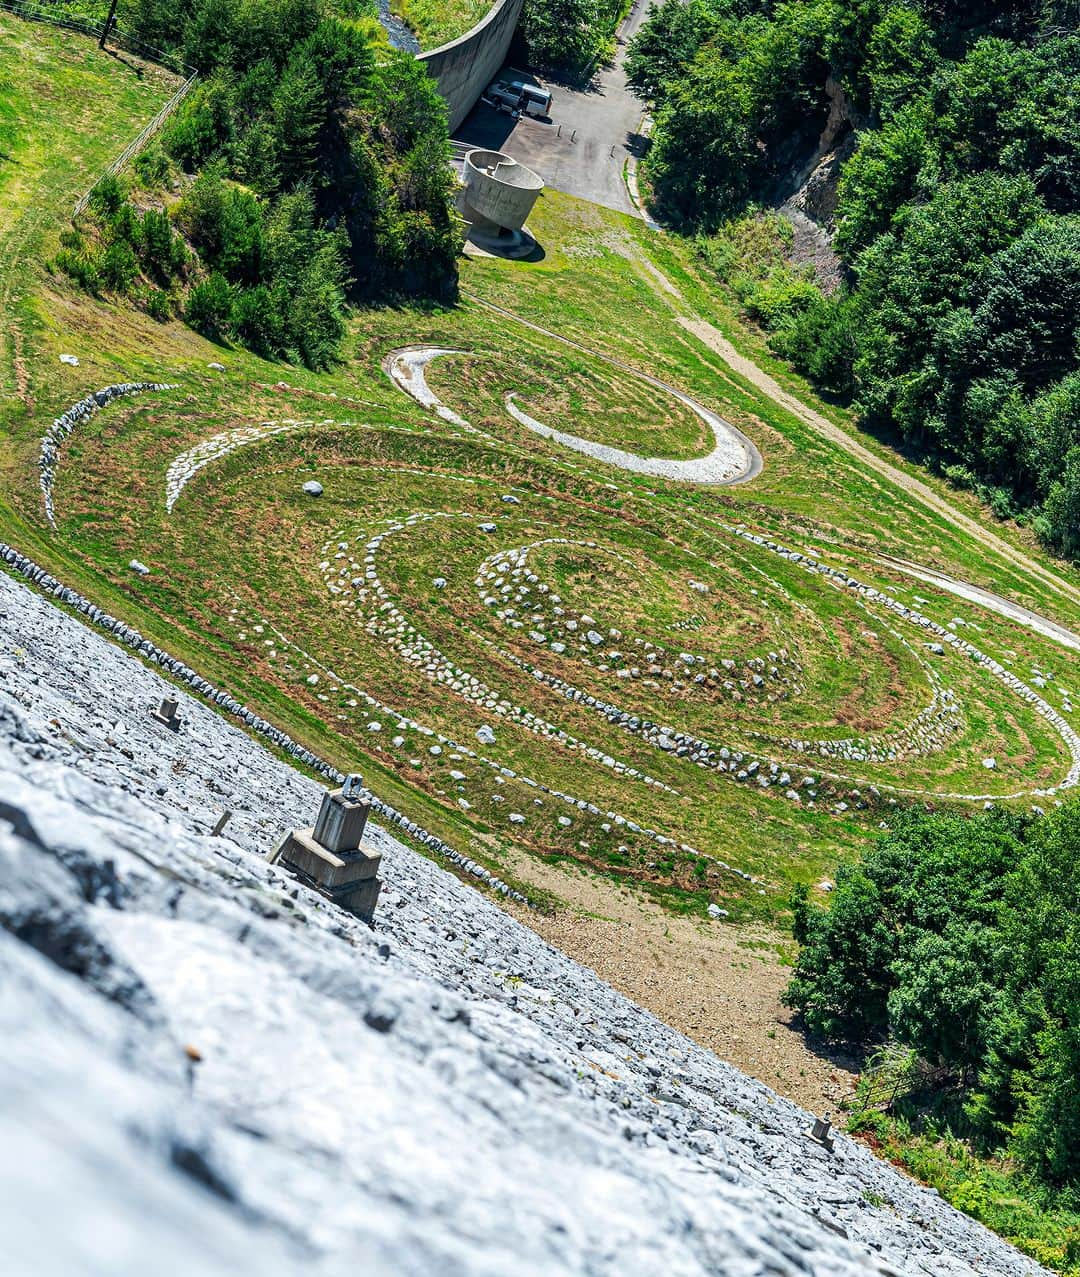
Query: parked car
[(516, 95)]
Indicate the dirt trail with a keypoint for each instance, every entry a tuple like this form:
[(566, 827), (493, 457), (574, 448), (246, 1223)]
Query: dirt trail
[(719, 344)]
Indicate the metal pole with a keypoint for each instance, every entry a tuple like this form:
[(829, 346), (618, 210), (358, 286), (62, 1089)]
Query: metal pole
[(108, 24)]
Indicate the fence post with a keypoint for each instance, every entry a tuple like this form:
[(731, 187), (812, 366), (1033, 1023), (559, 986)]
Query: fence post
[(108, 25)]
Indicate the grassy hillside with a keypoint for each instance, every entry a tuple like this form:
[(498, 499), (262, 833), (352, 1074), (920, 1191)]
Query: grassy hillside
[(437, 21), (260, 585)]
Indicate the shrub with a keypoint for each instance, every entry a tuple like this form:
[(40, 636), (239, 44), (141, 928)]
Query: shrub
[(118, 266), (162, 252), (153, 167), (107, 196), (257, 322), (158, 304), (209, 307), (82, 266)]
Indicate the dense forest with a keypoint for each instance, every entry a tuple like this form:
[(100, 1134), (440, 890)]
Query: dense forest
[(321, 174), (960, 937), (956, 329), (570, 36)]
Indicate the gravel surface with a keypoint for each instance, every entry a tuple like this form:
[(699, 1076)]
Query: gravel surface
[(733, 459), (210, 1069), (728, 459)]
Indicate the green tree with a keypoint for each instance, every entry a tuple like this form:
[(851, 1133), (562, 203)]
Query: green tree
[(664, 45), (1060, 523), (209, 307)]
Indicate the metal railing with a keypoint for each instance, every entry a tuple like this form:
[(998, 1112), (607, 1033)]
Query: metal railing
[(136, 145)]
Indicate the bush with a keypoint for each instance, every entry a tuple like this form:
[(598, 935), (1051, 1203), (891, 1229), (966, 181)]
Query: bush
[(118, 266), (161, 251), (257, 322), (107, 197), (568, 33), (152, 167), (210, 306), (158, 304), (82, 266), (225, 223), (1060, 525)]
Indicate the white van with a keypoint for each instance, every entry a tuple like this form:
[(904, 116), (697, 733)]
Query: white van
[(516, 95)]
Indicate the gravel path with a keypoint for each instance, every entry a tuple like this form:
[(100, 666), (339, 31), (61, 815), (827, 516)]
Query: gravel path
[(734, 459), (727, 461), (987, 599)]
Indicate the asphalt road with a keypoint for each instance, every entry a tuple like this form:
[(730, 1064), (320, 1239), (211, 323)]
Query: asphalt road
[(584, 146)]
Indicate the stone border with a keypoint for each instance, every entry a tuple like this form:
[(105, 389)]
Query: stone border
[(66, 423), (185, 674)]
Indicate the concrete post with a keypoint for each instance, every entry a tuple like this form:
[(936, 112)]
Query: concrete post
[(331, 856)]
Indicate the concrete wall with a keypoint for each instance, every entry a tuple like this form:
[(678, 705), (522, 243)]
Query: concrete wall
[(466, 66)]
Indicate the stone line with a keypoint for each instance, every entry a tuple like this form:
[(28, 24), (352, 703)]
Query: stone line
[(746, 767), (187, 464), (386, 621), (405, 722), (66, 423), (495, 573), (185, 674), (390, 623)]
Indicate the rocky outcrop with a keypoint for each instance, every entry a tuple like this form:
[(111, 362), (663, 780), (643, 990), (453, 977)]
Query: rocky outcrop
[(211, 1069)]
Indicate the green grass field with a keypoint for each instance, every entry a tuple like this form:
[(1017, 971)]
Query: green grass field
[(322, 614), (437, 22)]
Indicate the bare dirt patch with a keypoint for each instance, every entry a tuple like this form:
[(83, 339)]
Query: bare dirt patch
[(718, 983)]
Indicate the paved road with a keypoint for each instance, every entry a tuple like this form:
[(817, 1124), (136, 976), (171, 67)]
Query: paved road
[(591, 133)]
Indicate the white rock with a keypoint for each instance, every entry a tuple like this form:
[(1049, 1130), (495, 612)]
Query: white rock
[(313, 488), (141, 568)]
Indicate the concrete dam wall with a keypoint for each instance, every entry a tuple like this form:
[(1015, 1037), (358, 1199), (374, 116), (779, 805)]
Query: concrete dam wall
[(464, 67)]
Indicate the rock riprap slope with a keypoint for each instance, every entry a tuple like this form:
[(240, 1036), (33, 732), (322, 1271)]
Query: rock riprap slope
[(210, 1069)]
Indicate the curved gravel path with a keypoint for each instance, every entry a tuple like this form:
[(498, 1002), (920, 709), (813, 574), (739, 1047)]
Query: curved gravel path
[(987, 599), (406, 367), (727, 461)]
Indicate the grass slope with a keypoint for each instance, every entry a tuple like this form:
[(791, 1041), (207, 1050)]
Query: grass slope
[(437, 22), (249, 581)]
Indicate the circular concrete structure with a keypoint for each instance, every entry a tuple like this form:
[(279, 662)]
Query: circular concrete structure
[(499, 192)]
